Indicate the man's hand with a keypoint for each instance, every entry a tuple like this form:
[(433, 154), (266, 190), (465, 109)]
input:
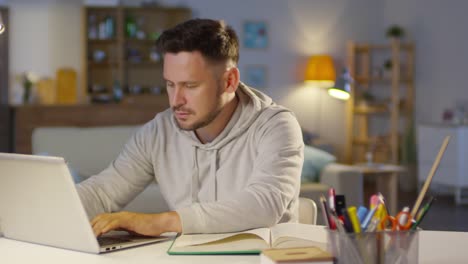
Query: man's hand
[(143, 224)]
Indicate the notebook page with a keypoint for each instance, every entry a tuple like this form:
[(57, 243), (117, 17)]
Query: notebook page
[(288, 235), (198, 239)]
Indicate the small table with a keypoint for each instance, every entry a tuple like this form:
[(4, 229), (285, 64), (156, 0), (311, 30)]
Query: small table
[(386, 180)]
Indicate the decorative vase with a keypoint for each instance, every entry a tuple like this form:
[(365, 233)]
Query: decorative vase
[(27, 93)]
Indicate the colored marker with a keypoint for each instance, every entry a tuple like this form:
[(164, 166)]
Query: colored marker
[(347, 221), (331, 200), (422, 213), (352, 214), (361, 213), (340, 204)]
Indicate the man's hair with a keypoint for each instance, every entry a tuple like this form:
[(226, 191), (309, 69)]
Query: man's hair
[(216, 41)]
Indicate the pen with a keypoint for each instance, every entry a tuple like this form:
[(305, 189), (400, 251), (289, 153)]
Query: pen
[(382, 201), (331, 199), (352, 214), (340, 204), (373, 225), (374, 201), (347, 221), (368, 218), (326, 215), (422, 213)]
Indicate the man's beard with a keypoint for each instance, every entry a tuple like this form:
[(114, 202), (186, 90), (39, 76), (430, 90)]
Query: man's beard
[(207, 119)]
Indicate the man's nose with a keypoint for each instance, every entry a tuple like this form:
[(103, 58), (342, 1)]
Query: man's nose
[(178, 97)]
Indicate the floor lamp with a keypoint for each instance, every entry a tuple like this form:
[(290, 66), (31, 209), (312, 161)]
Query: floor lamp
[(320, 73), (342, 87)]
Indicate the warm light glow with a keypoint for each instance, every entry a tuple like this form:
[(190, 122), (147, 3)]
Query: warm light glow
[(338, 93), (320, 71), (2, 26)]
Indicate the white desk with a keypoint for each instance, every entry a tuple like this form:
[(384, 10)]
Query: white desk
[(435, 247)]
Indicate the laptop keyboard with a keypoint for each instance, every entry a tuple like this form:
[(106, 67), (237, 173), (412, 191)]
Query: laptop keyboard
[(105, 241)]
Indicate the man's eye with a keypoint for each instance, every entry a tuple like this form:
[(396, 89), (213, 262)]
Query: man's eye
[(191, 85), (169, 85)]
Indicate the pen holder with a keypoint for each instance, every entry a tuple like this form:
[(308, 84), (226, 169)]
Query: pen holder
[(380, 247)]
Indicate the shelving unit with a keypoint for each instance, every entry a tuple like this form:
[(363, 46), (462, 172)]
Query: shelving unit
[(120, 50), (377, 125)]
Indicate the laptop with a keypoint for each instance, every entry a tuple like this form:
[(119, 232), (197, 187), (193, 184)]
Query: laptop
[(39, 204)]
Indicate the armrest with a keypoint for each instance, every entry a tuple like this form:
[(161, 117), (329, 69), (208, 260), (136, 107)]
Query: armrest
[(346, 180)]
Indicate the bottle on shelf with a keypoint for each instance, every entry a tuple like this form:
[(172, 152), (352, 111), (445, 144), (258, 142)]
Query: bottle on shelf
[(110, 27), (130, 26), (117, 91), (92, 27)]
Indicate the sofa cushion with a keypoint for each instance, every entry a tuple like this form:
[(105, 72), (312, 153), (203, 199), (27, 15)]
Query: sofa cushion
[(314, 161)]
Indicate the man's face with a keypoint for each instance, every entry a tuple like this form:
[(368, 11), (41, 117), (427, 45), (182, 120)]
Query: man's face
[(193, 88)]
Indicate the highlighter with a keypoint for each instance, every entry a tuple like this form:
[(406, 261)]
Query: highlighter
[(361, 213), (352, 213)]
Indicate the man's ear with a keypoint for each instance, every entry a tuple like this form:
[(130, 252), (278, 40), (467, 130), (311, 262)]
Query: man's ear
[(232, 76)]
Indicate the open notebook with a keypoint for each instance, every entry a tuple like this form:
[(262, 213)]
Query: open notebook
[(286, 235)]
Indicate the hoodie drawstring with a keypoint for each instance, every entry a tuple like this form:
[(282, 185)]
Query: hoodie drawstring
[(213, 169), (195, 182)]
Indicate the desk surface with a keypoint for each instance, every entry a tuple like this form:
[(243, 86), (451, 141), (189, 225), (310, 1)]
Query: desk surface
[(435, 247)]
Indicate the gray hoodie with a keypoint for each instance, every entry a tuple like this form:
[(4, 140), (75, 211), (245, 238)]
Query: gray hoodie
[(247, 177)]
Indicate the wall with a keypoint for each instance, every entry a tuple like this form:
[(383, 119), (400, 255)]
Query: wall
[(47, 35), (438, 28), (44, 35)]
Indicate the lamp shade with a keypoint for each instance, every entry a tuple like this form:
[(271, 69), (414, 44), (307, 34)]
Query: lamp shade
[(320, 71), (342, 87)]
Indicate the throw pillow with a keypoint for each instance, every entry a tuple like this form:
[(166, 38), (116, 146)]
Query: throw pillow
[(314, 161)]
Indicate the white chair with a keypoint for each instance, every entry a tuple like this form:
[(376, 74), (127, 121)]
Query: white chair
[(307, 211)]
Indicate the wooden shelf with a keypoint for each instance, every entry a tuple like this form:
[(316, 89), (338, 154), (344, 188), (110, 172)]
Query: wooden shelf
[(371, 109), (375, 79), (151, 20), (143, 64), (371, 47), (102, 41), (396, 103), (136, 41), (103, 64)]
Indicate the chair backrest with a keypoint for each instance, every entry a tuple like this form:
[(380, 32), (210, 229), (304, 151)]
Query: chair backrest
[(307, 211)]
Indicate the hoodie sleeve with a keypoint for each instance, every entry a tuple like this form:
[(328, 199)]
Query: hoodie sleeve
[(125, 177), (271, 195)]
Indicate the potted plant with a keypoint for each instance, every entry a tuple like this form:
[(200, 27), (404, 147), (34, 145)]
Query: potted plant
[(387, 68), (395, 31), (366, 98)]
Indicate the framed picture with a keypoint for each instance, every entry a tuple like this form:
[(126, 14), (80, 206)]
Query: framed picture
[(256, 76), (255, 34)]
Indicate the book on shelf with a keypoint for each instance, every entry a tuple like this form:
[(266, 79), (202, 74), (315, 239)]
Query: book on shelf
[(285, 235), (300, 255)]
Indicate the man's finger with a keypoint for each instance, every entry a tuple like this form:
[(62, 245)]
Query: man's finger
[(96, 219)]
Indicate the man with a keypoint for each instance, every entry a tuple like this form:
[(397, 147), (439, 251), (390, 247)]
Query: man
[(225, 156)]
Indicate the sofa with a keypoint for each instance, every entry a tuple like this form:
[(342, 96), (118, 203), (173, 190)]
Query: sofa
[(89, 150)]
